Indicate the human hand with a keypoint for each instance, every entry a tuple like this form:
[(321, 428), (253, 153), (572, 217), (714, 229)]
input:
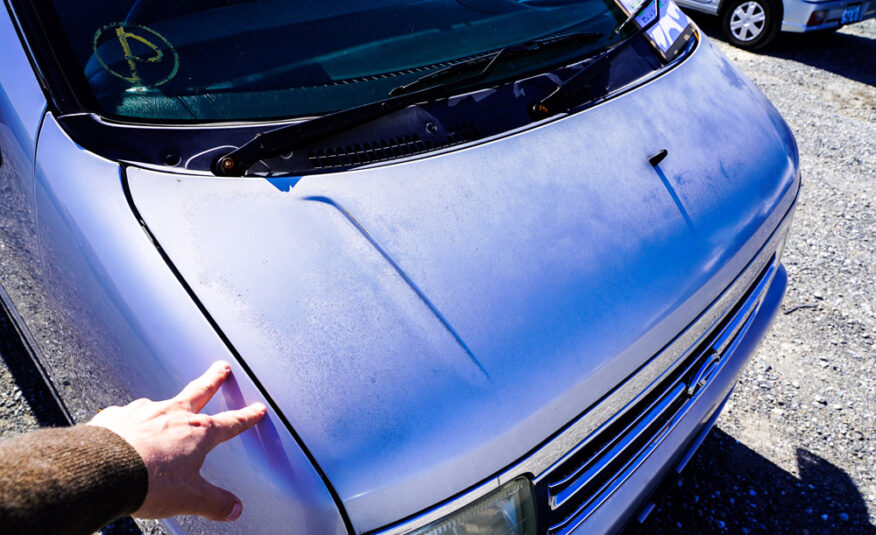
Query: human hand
[(173, 440)]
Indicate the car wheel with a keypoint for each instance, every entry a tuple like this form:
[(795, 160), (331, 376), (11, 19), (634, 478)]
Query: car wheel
[(751, 24)]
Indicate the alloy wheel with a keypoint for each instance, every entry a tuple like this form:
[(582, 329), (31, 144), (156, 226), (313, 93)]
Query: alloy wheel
[(747, 21)]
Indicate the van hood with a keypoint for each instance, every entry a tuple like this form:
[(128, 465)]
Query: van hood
[(424, 324)]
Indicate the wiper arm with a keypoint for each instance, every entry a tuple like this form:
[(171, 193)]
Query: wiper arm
[(558, 100), (490, 61), (288, 138)]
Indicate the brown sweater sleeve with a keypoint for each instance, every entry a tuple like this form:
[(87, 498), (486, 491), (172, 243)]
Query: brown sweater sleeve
[(68, 480)]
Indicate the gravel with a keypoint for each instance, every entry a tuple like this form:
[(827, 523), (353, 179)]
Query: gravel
[(794, 449)]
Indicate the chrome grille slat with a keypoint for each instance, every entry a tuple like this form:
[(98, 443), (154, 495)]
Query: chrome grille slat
[(687, 367), (748, 308), (574, 475), (624, 442), (583, 512), (580, 482)]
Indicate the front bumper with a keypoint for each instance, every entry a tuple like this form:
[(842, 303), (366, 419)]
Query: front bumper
[(798, 14)]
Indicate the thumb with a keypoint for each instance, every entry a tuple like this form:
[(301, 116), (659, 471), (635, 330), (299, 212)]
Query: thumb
[(217, 504)]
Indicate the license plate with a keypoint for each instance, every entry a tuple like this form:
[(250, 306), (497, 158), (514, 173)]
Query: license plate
[(851, 14)]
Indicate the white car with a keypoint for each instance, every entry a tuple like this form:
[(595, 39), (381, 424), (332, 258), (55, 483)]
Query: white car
[(753, 24)]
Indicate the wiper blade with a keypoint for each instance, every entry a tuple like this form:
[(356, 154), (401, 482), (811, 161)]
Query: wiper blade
[(490, 61), (558, 100), (288, 138)]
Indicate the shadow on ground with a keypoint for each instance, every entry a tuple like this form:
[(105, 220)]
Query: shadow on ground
[(730, 488), (26, 376), (844, 54)]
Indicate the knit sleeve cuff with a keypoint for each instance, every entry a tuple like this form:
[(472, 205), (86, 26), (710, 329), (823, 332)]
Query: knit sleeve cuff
[(69, 480)]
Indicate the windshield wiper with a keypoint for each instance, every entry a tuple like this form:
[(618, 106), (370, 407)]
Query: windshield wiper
[(558, 100), (491, 60), (286, 139), (428, 88)]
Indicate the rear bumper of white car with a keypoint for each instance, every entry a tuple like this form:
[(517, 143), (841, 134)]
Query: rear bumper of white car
[(805, 16), (801, 16)]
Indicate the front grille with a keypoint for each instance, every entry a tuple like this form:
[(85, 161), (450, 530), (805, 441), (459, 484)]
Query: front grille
[(581, 481)]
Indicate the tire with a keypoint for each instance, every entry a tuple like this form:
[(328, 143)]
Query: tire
[(751, 24)]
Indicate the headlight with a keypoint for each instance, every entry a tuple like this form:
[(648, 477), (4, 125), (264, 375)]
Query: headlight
[(507, 510)]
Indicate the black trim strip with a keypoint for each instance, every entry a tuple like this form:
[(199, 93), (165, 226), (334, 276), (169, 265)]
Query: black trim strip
[(124, 179), (29, 344)]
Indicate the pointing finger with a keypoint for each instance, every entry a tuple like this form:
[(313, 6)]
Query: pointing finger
[(197, 393), (229, 424)]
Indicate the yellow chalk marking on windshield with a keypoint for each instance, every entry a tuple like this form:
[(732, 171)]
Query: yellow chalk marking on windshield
[(123, 39), (146, 36)]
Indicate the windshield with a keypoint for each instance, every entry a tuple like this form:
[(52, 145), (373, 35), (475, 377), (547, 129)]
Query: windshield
[(210, 60)]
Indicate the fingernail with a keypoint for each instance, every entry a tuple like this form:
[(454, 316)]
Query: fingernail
[(235, 512), (260, 409)]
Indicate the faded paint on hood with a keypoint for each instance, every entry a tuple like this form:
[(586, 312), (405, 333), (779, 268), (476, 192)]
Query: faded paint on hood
[(425, 324)]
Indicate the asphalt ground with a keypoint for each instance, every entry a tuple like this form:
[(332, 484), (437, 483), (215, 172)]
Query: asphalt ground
[(795, 448)]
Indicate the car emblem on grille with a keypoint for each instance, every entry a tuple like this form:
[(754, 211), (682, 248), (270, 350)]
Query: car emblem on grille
[(703, 374)]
